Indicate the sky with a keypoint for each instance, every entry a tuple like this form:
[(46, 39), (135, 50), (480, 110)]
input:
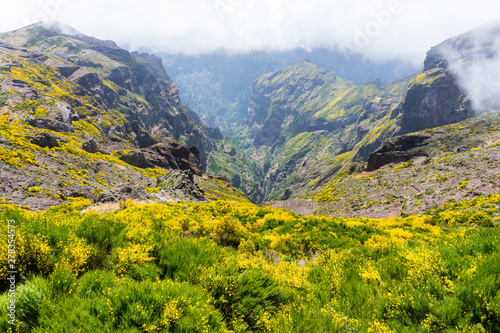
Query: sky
[(379, 29)]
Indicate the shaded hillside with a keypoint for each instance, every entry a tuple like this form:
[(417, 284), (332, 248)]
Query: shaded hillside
[(305, 123), (84, 118), (218, 86)]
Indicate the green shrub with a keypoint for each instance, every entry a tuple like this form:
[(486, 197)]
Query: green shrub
[(182, 259), (30, 297), (481, 219)]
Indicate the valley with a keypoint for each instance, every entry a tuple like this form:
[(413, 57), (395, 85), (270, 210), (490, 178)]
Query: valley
[(302, 198)]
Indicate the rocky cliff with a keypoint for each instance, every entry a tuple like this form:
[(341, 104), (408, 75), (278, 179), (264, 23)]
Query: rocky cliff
[(126, 97), (305, 123), (81, 117)]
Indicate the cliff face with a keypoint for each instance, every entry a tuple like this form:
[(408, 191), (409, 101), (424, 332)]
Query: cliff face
[(82, 117), (112, 87), (305, 124), (433, 99)]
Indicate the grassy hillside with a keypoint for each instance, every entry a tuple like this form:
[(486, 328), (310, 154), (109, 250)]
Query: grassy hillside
[(227, 266), (306, 124), (455, 163)]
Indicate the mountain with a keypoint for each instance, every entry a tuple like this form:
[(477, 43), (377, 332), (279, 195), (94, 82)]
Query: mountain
[(218, 86), (445, 149), (112, 226), (415, 173), (305, 123), (82, 117)]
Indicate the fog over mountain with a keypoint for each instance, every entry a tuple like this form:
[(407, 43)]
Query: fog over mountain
[(380, 29)]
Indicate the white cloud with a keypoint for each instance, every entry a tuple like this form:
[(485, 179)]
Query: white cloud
[(378, 28), (476, 65)]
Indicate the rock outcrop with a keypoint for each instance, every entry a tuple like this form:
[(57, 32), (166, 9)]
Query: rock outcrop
[(45, 140), (433, 99), (169, 154), (50, 124), (398, 149)]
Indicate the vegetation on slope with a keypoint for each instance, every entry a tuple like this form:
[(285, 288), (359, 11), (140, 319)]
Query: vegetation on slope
[(455, 163), (305, 124), (228, 266)]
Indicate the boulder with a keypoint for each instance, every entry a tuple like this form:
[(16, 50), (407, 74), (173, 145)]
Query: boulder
[(45, 140), (90, 146), (50, 124), (137, 158)]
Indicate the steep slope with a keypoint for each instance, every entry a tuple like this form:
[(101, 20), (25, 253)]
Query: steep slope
[(218, 86), (136, 86), (84, 118), (305, 123)]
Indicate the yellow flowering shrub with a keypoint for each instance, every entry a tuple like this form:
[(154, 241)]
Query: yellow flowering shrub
[(76, 253), (131, 257)]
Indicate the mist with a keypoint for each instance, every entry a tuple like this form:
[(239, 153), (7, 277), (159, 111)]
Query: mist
[(477, 66), (378, 29)]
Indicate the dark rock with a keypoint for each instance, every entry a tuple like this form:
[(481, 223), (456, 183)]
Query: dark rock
[(398, 149), (67, 71), (231, 152), (123, 192), (45, 140), (438, 103), (90, 146), (137, 158), (144, 140), (288, 193), (214, 133), (50, 124), (171, 154), (19, 86)]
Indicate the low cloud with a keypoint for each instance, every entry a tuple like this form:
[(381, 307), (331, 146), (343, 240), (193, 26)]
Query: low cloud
[(474, 60), (380, 29)]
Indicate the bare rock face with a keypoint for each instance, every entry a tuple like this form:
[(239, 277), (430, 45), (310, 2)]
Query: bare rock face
[(50, 124), (172, 154), (398, 149), (45, 140), (169, 154), (434, 102)]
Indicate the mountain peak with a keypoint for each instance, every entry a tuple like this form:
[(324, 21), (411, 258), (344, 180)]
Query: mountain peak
[(35, 35)]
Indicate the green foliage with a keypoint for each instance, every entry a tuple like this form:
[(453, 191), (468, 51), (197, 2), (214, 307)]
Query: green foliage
[(225, 266)]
